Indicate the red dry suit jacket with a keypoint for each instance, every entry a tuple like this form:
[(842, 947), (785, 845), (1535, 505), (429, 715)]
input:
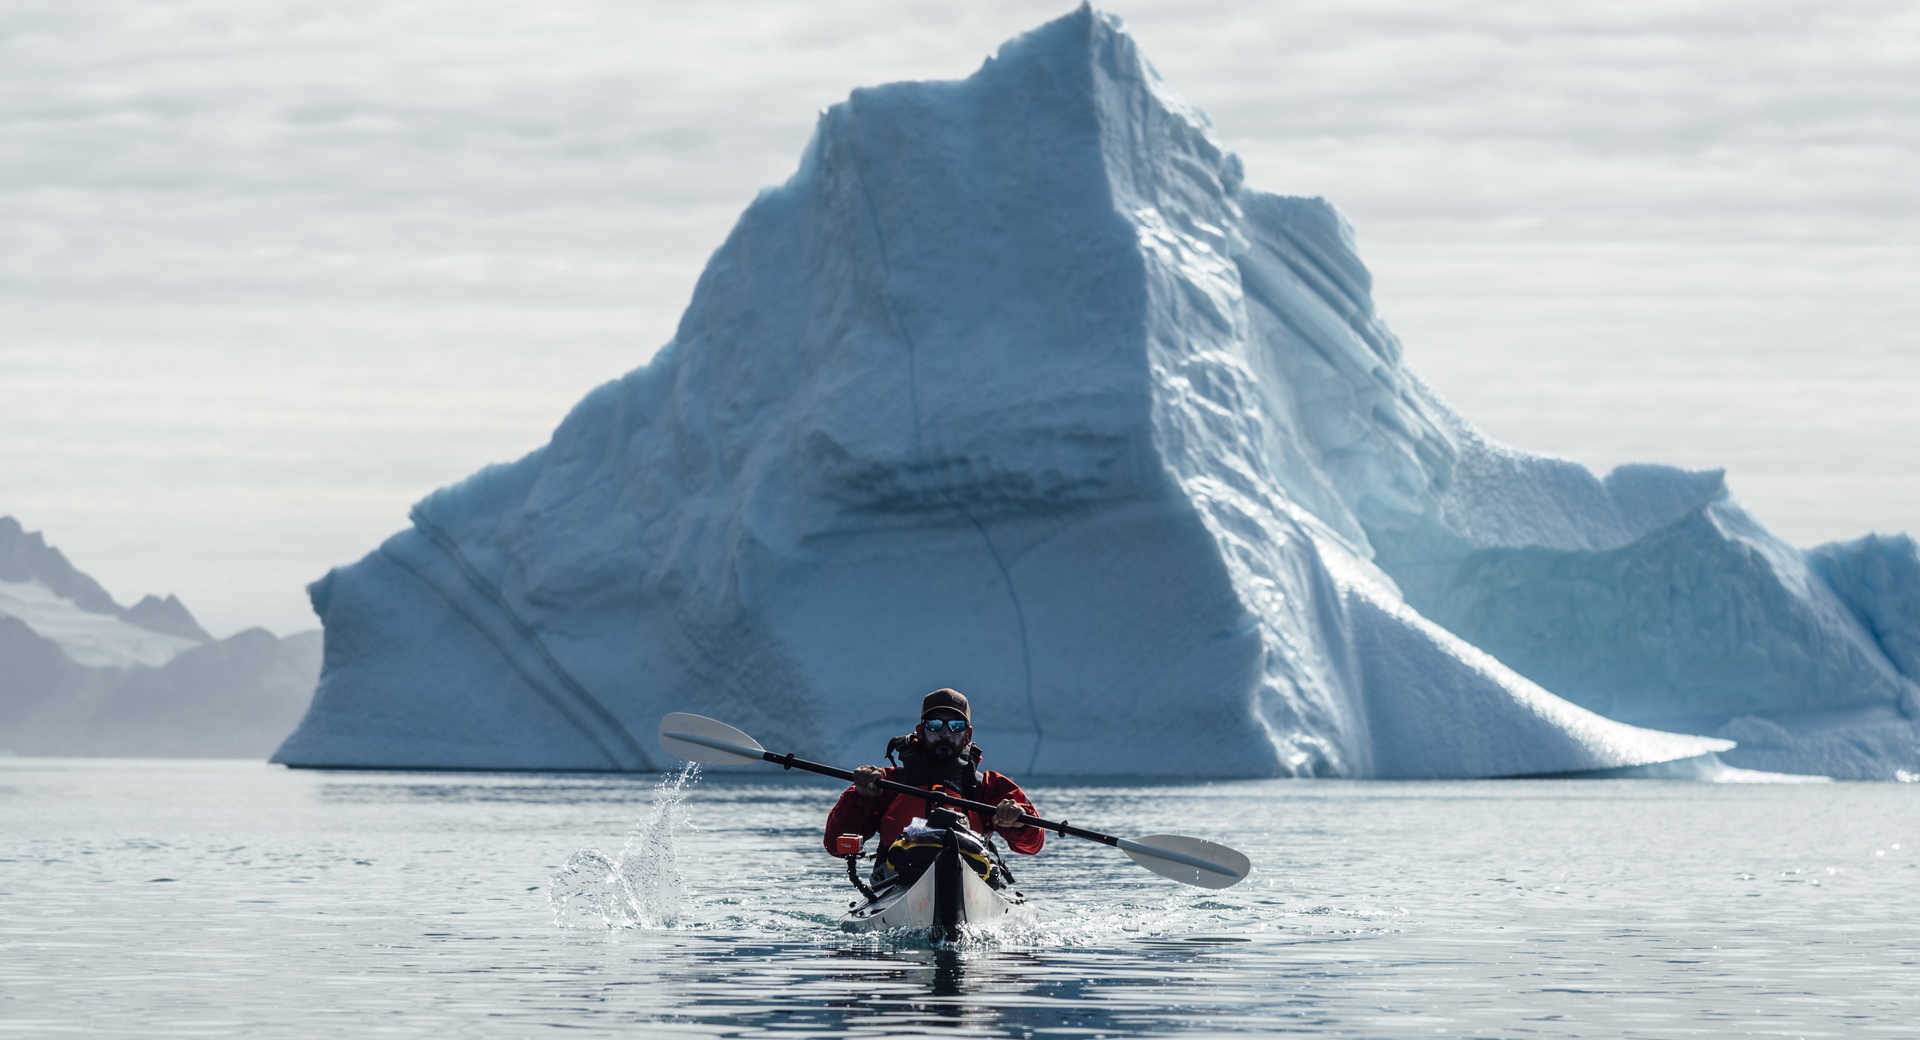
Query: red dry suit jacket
[(889, 813)]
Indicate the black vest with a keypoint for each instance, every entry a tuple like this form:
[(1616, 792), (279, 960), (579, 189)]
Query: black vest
[(921, 768)]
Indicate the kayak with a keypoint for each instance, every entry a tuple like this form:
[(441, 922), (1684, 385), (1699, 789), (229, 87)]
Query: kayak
[(947, 896), (913, 894), (938, 878)]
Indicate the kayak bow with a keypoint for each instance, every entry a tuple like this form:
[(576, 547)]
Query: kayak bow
[(943, 899)]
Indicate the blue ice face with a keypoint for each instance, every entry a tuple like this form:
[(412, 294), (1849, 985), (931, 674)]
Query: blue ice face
[(1017, 385)]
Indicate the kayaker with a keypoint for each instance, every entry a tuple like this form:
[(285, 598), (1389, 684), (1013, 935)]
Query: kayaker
[(939, 752)]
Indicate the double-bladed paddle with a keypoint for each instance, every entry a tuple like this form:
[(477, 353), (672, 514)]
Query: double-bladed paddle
[(1190, 861)]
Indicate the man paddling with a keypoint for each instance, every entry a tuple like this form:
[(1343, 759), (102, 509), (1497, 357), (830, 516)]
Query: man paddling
[(939, 753), (1190, 861)]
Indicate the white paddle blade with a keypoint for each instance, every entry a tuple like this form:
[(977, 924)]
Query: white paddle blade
[(697, 738), (1189, 861)]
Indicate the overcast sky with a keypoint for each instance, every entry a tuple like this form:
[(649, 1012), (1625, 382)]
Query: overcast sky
[(271, 272)]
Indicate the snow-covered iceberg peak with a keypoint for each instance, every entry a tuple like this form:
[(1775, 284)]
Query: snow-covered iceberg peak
[(1014, 387)]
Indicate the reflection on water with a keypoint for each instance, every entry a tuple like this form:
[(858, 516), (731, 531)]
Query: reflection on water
[(378, 788), (224, 899), (717, 985)]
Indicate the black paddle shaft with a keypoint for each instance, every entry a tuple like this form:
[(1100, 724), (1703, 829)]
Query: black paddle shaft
[(787, 761)]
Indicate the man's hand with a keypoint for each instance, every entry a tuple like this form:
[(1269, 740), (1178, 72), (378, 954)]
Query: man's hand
[(866, 780), (1007, 814)]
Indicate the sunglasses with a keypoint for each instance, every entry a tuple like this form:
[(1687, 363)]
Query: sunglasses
[(949, 725)]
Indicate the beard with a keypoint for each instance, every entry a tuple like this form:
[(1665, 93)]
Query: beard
[(945, 746)]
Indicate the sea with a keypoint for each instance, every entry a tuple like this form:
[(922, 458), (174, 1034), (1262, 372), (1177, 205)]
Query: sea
[(239, 899)]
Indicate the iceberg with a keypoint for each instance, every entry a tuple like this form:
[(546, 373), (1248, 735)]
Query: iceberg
[(1015, 386)]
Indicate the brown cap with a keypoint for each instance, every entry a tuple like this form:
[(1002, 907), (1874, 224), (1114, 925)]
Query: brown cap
[(944, 698)]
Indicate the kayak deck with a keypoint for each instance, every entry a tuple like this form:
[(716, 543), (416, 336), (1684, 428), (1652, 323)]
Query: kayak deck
[(945, 897)]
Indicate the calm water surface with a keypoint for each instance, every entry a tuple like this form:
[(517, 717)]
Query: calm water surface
[(238, 899)]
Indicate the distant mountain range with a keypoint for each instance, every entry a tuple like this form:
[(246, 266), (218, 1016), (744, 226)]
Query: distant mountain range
[(82, 675)]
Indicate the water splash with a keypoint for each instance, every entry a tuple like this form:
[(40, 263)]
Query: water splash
[(639, 888)]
